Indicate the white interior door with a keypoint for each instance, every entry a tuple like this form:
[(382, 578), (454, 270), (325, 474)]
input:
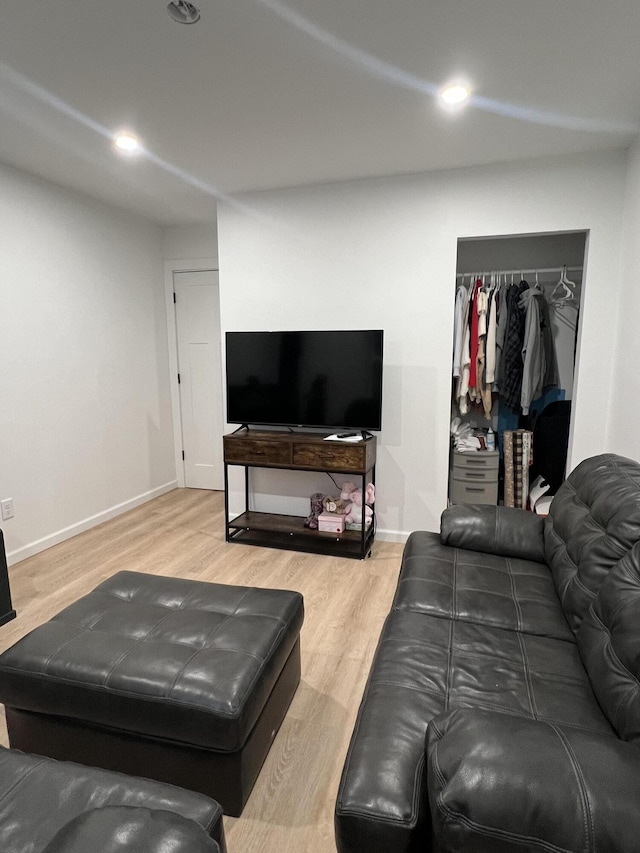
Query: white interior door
[(197, 305)]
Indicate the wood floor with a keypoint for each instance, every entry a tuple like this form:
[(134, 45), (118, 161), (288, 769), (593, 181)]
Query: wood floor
[(181, 534)]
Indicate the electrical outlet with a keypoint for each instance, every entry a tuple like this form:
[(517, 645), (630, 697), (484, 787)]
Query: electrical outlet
[(7, 508)]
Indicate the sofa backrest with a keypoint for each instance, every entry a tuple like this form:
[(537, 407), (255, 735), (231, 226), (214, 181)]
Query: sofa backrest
[(593, 522), (609, 644)]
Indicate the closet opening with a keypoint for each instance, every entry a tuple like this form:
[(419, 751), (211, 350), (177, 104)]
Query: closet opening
[(516, 328)]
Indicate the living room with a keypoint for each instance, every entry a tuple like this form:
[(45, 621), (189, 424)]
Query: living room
[(89, 426)]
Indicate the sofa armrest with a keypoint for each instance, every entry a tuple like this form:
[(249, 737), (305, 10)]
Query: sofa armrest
[(498, 783), (131, 829), (501, 530)]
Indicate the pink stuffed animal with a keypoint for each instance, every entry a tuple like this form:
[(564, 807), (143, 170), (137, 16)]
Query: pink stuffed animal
[(354, 508)]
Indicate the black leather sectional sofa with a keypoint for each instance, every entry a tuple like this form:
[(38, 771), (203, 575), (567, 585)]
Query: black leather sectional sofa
[(502, 711), (49, 806)]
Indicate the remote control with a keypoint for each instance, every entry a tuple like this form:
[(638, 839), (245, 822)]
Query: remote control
[(346, 434)]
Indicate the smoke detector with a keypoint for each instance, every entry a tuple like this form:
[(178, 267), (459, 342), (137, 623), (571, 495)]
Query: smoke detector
[(183, 12)]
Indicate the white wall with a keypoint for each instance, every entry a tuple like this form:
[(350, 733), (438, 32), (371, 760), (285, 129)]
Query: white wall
[(85, 417), (382, 254), (623, 434), (197, 240)]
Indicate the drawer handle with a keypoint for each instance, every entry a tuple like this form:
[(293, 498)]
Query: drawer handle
[(473, 461), (258, 452), (478, 474), (472, 489)]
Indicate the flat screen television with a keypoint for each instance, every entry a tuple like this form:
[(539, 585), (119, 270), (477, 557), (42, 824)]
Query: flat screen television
[(322, 379)]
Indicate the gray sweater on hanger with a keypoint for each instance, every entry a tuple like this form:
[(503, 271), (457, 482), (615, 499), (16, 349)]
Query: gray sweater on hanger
[(538, 352)]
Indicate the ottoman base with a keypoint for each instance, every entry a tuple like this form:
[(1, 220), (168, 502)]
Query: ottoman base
[(227, 777)]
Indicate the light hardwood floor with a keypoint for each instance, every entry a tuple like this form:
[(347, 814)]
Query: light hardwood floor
[(181, 534)]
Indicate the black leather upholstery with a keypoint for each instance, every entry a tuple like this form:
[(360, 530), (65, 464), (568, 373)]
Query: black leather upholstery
[(51, 806), (481, 641), (477, 586), (130, 830), (179, 659), (501, 784), (179, 680), (503, 531), (593, 521), (609, 642)]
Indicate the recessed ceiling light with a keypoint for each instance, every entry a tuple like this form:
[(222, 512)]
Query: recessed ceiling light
[(127, 143), (455, 94), (183, 12)]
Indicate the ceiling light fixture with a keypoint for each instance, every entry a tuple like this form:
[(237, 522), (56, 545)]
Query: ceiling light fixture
[(455, 94), (183, 12), (126, 143)]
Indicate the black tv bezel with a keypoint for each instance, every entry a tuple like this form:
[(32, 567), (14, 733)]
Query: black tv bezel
[(311, 426)]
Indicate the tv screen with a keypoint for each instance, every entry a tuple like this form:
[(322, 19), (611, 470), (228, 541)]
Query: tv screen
[(328, 380)]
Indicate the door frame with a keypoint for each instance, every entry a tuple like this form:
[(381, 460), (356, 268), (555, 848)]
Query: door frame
[(170, 268)]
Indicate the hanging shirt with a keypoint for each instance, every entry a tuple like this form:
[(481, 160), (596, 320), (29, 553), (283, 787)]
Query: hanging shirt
[(473, 345), (462, 387), (514, 339), (551, 375), (492, 328), (462, 295), (501, 329), (533, 366)]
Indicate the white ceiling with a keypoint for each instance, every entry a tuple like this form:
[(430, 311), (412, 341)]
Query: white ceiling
[(272, 93)]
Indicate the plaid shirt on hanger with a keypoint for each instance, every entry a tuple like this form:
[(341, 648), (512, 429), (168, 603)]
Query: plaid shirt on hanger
[(511, 387)]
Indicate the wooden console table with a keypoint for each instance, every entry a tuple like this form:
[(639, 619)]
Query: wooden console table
[(296, 451)]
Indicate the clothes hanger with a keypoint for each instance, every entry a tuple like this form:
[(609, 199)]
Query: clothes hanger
[(571, 285), (564, 291)]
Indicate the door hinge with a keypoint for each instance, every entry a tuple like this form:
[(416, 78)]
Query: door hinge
[(183, 455), (178, 379), (174, 297)]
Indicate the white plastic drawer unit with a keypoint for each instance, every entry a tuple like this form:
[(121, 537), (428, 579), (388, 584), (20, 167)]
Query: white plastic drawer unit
[(474, 477)]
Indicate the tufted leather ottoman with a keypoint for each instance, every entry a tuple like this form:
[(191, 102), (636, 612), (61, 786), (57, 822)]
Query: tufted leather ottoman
[(177, 680)]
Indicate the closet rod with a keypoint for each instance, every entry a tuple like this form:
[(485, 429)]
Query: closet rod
[(520, 271)]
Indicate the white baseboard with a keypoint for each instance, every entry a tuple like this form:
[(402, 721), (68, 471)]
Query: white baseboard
[(391, 535), (86, 524)]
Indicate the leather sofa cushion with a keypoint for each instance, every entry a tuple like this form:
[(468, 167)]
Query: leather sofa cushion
[(593, 522), (423, 666), (40, 796), (500, 784), (501, 530), (609, 642), (475, 586), (131, 830), (167, 657)]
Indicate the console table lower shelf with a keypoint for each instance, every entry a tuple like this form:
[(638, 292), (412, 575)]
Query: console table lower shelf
[(305, 452), (271, 530)]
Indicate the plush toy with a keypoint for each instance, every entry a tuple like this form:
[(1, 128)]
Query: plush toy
[(335, 505), (347, 489), (358, 507)]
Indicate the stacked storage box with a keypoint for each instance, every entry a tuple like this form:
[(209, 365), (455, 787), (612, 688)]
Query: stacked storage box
[(474, 477)]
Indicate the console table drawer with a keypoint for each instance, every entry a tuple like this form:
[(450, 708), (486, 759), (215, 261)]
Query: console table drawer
[(330, 458), (248, 451)]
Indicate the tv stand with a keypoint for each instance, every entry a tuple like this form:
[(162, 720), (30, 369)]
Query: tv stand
[(297, 451)]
